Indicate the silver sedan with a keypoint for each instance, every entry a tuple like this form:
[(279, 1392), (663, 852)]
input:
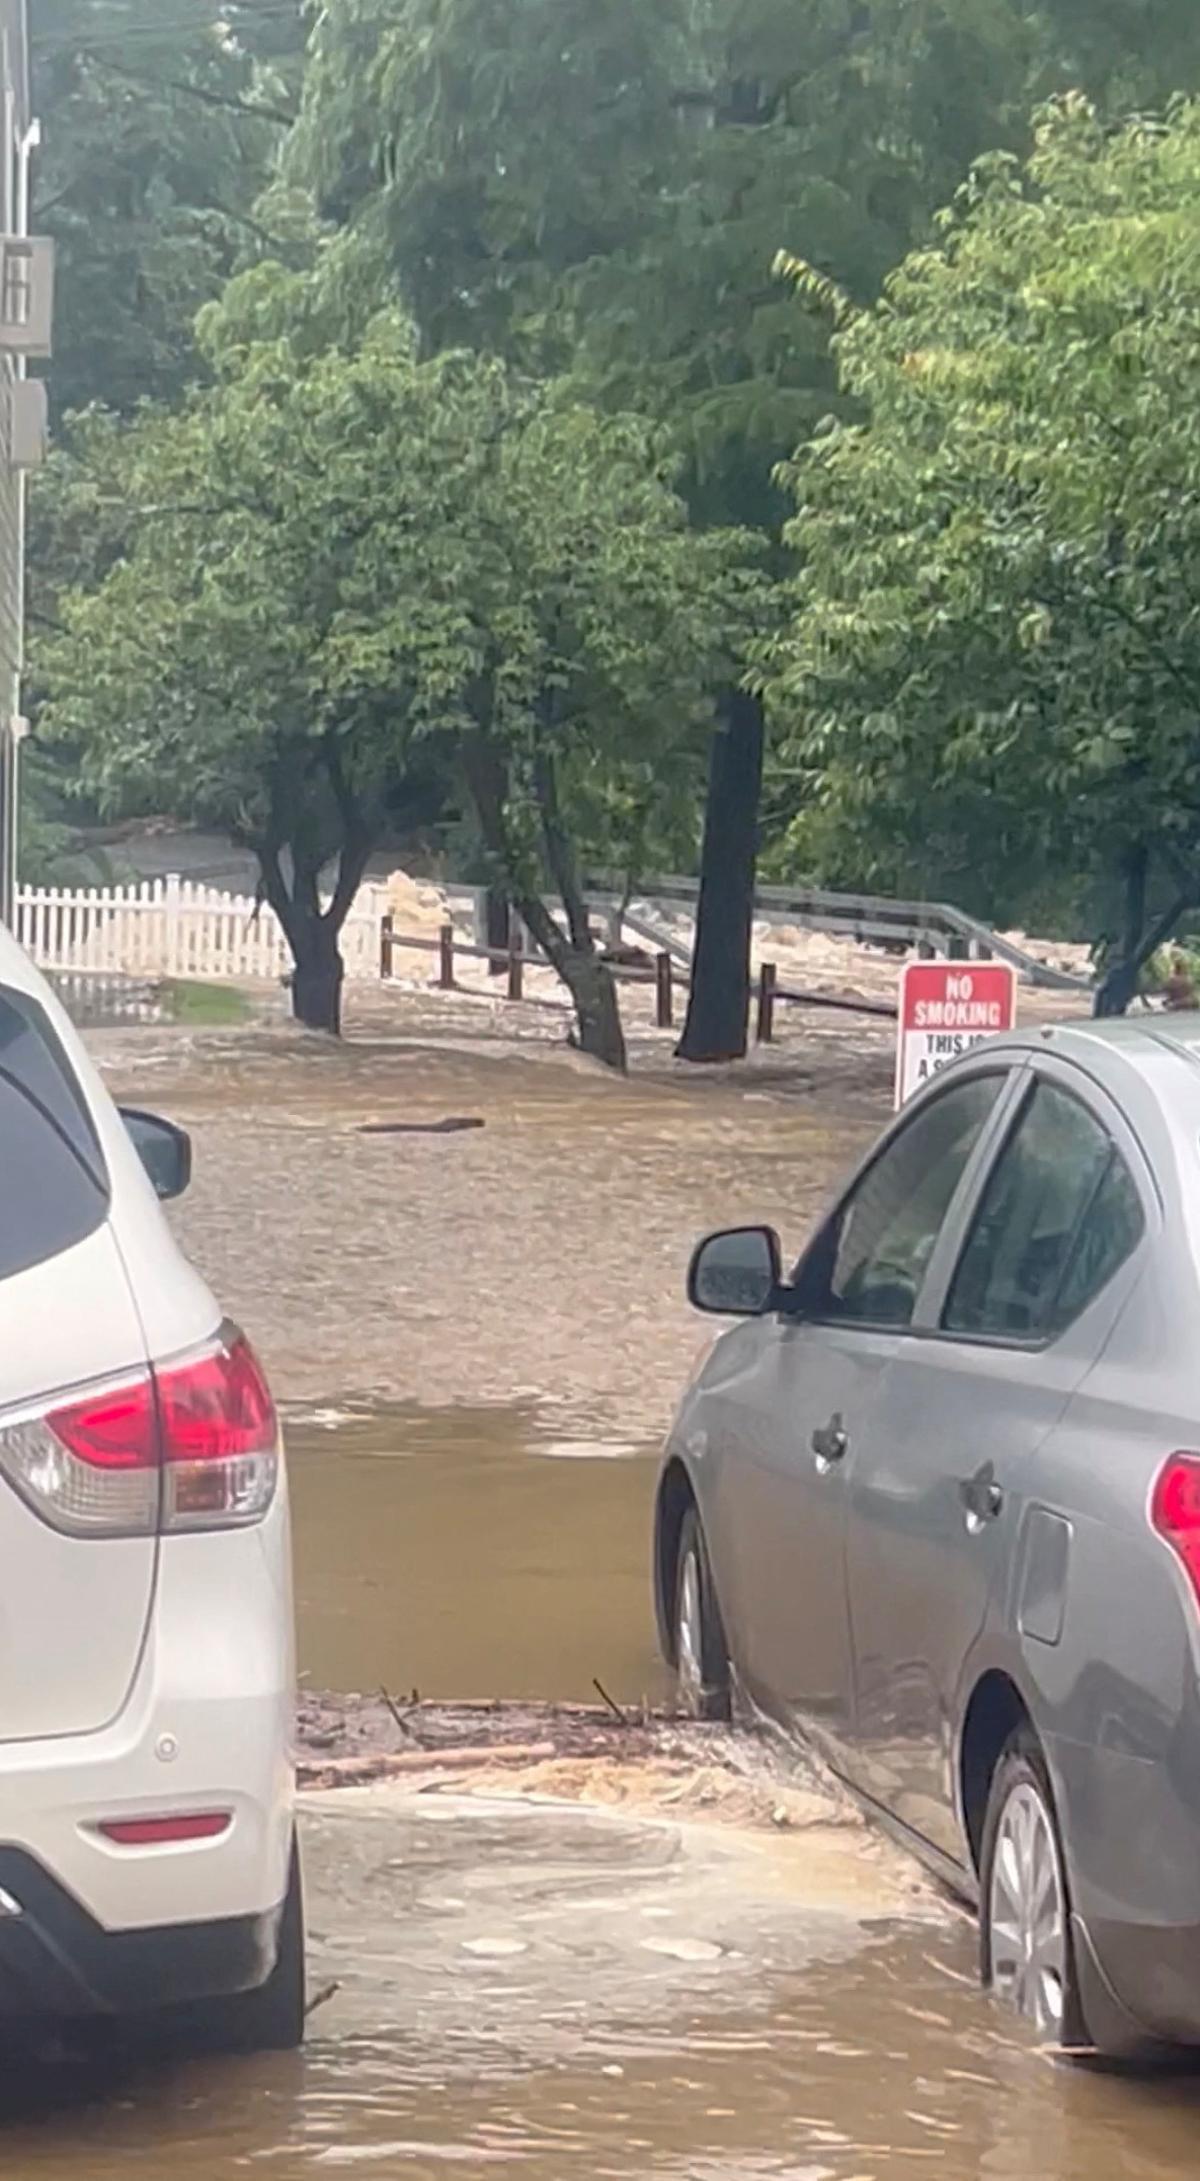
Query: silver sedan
[(936, 1503)]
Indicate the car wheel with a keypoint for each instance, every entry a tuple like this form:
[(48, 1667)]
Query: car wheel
[(1027, 1955), (270, 2019), (701, 1656)]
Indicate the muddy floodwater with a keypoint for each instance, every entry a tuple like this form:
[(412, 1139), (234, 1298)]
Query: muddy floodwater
[(559, 1991), (472, 1553), (478, 1337), (538, 1255), (560, 1995)]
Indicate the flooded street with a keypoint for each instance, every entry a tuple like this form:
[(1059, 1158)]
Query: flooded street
[(478, 1338), (538, 1258), (472, 1553), (560, 1994)]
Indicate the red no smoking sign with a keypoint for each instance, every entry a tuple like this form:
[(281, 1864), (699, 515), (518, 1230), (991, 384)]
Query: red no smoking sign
[(946, 1008)]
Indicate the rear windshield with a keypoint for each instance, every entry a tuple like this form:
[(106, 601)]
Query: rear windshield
[(54, 1188)]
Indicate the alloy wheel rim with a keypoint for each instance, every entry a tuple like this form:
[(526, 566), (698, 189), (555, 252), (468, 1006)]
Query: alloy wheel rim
[(1027, 1923), (690, 1651)]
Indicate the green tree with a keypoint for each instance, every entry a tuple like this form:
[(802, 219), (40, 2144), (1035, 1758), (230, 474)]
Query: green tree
[(343, 573), (161, 120), (994, 657), (259, 652), (587, 185), (598, 623), (51, 850), (1127, 56)]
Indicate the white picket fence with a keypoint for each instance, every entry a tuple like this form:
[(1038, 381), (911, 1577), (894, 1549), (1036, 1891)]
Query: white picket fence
[(175, 928)]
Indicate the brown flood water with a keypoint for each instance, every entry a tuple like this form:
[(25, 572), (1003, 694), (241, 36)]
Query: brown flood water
[(882, 2066), (501, 2005), (472, 1553)]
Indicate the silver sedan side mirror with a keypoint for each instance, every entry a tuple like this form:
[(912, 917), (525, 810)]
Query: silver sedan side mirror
[(738, 1274)]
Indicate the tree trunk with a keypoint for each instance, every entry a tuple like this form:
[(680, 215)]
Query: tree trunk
[(1118, 987), (498, 922), (593, 990), (1117, 990), (314, 933), (589, 981), (318, 976), (1137, 879), (718, 1016)]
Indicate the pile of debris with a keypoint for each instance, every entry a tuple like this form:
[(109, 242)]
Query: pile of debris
[(645, 1760)]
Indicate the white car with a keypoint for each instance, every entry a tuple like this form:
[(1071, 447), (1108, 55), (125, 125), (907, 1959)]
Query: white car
[(147, 1828)]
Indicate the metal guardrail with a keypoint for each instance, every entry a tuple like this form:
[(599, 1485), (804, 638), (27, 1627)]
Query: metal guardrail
[(875, 919)]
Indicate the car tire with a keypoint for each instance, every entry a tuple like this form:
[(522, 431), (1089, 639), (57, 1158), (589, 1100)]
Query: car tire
[(268, 2019), (701, 1655), (1027, 1952)]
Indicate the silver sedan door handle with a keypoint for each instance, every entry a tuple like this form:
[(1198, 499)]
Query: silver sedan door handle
[(830, 1445), (982, 1498)]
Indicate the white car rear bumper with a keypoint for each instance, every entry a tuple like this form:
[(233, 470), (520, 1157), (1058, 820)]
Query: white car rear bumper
[(208, 1727)]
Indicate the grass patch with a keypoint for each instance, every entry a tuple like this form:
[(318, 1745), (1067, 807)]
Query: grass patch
[(211, 1005)]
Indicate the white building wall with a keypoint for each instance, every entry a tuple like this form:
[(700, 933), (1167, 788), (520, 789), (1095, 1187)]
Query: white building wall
[(16, 143)]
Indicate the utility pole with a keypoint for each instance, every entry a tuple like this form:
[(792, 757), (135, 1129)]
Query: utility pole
[(27, 305), (12, 733), (26, 320), (9, 789)]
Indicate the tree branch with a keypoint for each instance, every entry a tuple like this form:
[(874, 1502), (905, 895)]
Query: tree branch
[(560, 853), (224, 100), (1154, 647), (252, 226), (357, 837), (1186, 879), (43, 205), (485, 775), (1119, 987), (1161, 929), (266, 847), (1151, 644)]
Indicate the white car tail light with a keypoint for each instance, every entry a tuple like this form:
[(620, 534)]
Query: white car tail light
[(91, 1470), (220, 1439), (191, 1447)]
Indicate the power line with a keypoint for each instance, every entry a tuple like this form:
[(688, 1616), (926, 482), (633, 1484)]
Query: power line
[(180, 31), (207, 17), (223, 101), (153, 21)]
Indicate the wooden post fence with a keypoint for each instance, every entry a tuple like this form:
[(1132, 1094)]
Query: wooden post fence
[(767, 984), (446, 958), (664, 989), (516, 965), (387, 947)]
